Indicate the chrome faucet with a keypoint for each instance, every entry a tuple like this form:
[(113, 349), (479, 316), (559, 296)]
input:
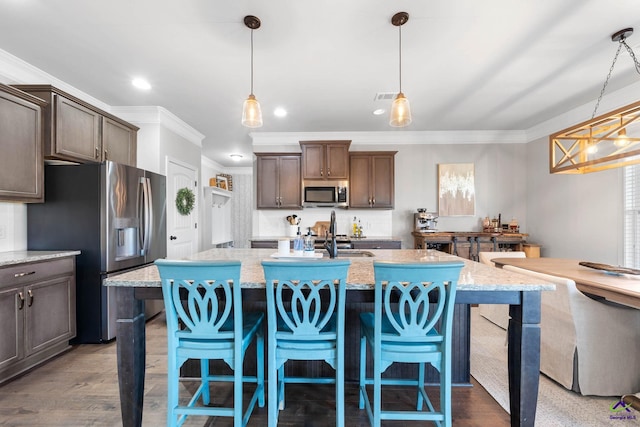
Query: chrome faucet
[(330, 245)]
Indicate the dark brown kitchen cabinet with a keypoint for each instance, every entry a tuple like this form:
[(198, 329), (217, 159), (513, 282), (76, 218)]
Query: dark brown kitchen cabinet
[(325, 159), (376, 244), (22, 161), (119, 142), (371, 183), (278, 181), (77, 131), (37, 313)]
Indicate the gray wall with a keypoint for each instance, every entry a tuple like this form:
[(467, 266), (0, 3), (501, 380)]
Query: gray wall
[(574, 216), (500, 182)]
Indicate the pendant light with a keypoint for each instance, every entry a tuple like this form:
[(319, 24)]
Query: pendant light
[(400, 109), (602, 142), (251, 112)]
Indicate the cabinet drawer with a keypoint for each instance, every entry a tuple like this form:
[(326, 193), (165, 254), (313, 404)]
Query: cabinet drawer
[(265, 244), (376, 244), (30, 272)]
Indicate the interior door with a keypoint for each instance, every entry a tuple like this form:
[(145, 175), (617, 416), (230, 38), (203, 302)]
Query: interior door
[(182, 230)]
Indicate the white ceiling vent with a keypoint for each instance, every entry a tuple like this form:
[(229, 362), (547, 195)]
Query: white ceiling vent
[(383, 96)]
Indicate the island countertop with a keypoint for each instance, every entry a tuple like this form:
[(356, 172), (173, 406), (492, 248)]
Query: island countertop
[(474, 275)]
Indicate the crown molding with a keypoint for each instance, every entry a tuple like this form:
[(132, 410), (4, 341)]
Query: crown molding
[(393, 137), (14, 70), (162, 116), (211, 164)]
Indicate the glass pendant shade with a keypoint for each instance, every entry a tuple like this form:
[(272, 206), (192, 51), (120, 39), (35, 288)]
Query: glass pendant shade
[(251, 113), (622, 140), (400, 111)]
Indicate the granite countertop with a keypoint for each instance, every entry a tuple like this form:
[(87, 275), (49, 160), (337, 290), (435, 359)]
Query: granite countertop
[(22, 257), (474, 275)]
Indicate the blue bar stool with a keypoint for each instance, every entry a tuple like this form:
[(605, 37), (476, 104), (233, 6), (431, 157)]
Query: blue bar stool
[(205, 297), (305, 312), (405, 327)]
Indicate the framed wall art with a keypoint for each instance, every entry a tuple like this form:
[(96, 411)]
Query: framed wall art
[(456, 189), (222, 182)]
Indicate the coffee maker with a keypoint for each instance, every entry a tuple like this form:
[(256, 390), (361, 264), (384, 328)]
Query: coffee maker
[(424, 221)]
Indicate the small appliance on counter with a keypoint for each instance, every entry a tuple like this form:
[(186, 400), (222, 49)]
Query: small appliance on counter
[(424, 221)]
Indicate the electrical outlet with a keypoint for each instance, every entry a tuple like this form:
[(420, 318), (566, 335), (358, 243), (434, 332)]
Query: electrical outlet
[(3, 232)]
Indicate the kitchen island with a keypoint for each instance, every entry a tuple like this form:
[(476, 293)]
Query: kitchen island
[(478, 284)]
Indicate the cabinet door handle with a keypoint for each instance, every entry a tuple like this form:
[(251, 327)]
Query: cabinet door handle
[(328, 172), (373, 201), (30, 293), (21, 302), (321, 172), (97, 153), (25, 273), (105, 155)]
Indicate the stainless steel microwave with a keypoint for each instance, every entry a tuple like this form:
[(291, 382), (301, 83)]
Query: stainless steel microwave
[(327, 195)]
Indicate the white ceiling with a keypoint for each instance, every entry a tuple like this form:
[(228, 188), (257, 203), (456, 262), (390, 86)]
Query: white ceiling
[(467, 64)]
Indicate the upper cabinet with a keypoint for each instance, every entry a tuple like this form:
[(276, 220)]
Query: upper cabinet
[(372, 179), (119, 142), (21, 162), (325, 160), (278, 181), (77, 131)]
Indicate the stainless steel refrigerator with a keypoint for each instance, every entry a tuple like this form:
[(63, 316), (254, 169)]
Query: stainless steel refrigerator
[(116, 216)]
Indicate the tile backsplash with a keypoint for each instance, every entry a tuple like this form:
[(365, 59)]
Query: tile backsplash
[(273, 223)]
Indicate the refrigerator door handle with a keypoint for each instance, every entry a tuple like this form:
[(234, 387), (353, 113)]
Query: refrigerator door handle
[(143, 215), (149, 220), (139, 213)]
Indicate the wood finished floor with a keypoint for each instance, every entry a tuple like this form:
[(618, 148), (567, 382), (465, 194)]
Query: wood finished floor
[(80, 388)]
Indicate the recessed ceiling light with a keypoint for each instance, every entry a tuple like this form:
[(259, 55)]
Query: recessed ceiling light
[(236, 156), (379, 111), (280, 112), (141, 84)]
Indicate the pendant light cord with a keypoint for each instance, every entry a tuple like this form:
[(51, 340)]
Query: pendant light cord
[(606, 82), (251, 92), (615, 58), (633, 56), (400, 54)]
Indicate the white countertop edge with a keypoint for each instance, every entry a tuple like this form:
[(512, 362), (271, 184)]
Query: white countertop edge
[(23, 257)]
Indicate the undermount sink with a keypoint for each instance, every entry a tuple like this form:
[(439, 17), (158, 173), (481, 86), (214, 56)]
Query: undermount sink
[(351, 254)]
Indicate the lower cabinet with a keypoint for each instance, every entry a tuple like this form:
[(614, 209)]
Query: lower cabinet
[(376, 244), (37, 313), (468, 245)]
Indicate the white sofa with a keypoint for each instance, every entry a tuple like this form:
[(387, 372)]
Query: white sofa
[(589, 346), (496, 313)]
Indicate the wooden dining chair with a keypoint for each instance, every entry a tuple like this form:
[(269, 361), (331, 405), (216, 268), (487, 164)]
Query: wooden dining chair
[(411, 323), (205, 298), (305, 321)]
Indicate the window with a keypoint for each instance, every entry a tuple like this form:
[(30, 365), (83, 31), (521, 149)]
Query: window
[(632, 216)]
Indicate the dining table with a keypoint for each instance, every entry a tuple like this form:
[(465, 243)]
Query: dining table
[(596, 283), (477, 284)]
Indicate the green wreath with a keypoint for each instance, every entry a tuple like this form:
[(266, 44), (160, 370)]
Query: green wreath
[(184, 201)]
